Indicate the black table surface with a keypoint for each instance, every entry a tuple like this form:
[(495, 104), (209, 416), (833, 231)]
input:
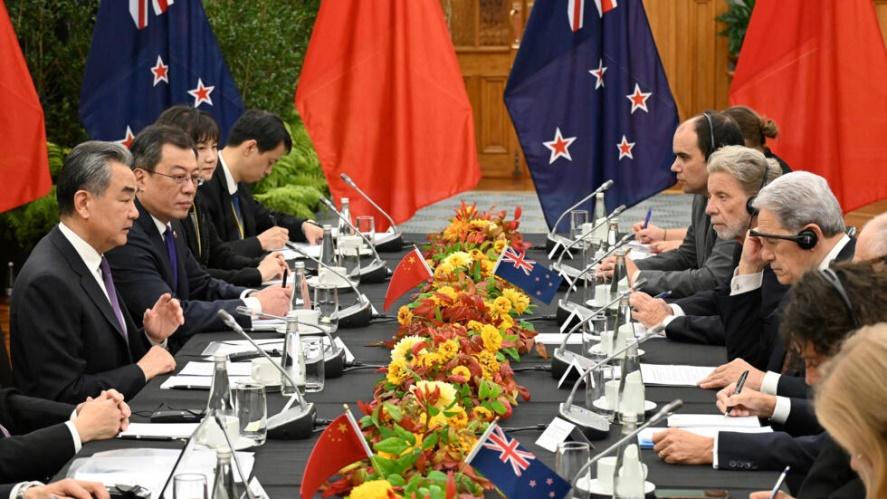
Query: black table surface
[(279, 464)]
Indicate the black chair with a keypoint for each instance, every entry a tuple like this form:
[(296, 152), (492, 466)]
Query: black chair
[(5, 366)]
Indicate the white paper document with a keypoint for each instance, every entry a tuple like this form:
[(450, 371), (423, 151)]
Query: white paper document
[(645, 437), (712, 421), (158, 431), (198, 382), (556, 432), (673, 375), (194, 368), (557, 338), (238, 346)]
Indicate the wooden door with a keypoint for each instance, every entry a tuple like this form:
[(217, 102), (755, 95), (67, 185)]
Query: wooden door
[(485, 34)]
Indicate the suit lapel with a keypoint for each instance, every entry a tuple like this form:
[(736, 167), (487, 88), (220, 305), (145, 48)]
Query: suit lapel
[(182, 253), (87, 281), (146, 223), (246, 207)]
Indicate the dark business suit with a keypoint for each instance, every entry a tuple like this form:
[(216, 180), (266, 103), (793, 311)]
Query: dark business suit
[(767, 451), (256, 218), (66, 342), (217, 257), (831, 476), (701, 262), (142, 273), (40, 444)]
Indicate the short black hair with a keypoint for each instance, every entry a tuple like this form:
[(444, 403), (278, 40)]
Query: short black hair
[(718, 126), (87, 168), (197, 123), (817, 315), (148, 145), (267, 129)]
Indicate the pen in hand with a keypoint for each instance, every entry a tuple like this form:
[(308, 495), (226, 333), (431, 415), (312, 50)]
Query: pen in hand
[(286, 271), (739, 385), (648, 217), (663, 295)]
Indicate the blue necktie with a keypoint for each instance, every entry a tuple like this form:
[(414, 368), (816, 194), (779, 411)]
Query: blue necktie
[(238, 213), (112, 295), (173, 257)]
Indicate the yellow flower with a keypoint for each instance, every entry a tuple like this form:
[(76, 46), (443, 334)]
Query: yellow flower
[(443, 272), (454, 230), (449, 292), (519, 301), (403, 347), (430, 360), (462, 371), (437, 421), (467, 441), (475, 326), (506, 322), (499, 245), (486, 267), (492, 338), (397, 372), (372, 489), (458, 259), (447, 391), (480, 223), (482, 413), (477, 255), (488, 363), (448, 349), (404, 316), (460, 418), (502, 304)]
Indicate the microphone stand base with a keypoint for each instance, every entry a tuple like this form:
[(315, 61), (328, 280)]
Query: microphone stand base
[(334, 364), (375, 272), (390, 244), (292, 424), (566, 308), (357, 315), (592, 425), (561, 360)]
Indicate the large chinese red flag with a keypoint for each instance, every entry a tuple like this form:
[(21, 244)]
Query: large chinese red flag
[(383, 99), (817, 68), (340, 444), (24, 163)]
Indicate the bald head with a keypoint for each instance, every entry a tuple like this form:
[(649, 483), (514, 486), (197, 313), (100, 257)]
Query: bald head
[(872, 240)]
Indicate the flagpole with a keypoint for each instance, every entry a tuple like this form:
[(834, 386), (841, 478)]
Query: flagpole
[(356, 428), (481, 440), (422, 259), (499, 260)]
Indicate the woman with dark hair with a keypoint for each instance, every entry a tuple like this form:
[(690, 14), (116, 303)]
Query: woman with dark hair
[(756, 130)]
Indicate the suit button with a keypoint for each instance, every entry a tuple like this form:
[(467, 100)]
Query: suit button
[(732, 464)]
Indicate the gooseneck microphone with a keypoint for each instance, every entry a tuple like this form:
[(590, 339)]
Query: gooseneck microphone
[(291, 423), (391, 241), (552, 236), (357, 315), (618, 211), (376, 271)]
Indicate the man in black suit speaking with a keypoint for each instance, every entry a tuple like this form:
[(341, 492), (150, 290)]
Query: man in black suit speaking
[(156, 261), (72, 335)]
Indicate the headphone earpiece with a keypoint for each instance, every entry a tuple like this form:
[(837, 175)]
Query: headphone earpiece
[(807, 239), (750, 208)]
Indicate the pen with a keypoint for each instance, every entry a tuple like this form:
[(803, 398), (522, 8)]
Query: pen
[(779, 482), (739, 385), (663, 295), (647, 217), (286, 271)]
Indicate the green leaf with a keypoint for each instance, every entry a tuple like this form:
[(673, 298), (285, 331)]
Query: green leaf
[(393, 411), (392, 445), (384, 465), (375, 416), (512, 352), (396, 480), (499, 407), (437, 476), (430, 441), (405, 435)]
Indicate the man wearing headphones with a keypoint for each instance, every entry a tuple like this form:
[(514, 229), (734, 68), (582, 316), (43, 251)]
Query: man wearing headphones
[(735, 176)]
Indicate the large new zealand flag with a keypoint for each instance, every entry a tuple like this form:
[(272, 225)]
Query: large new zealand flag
[(590, 102), (146, 56)]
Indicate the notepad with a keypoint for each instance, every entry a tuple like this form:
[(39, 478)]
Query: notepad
[(712, 421), (198, 382), (645, 437), (673, 375), (159, 431), (557, 338), (194, 368)]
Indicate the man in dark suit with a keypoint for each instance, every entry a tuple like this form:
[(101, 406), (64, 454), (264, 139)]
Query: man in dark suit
[(155, 261), (217, 257), (798, 202), (72, 335), (702, 260), (43, 435), (256, 142)]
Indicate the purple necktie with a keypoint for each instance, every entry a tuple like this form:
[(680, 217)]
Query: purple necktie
[(173, 258), (112, 294)]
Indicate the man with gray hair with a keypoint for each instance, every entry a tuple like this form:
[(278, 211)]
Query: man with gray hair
[(735, 175), (72, 336)]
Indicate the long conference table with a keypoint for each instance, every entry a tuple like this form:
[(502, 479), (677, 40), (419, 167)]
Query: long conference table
[(279, 463)]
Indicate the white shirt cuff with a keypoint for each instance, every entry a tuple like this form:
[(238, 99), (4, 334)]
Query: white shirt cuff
[(14, 492), (664, 324), (636, 276), (714, 456), (782, 410), (253, 303), (75, 435), (678, 311), (155, 343), (770, 383), (745, 282)]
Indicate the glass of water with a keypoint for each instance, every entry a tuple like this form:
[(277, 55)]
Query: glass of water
[(570, 457), (252, 412), (367, 226), (578, 218), (312, 352), (189, 486), (326, 301)]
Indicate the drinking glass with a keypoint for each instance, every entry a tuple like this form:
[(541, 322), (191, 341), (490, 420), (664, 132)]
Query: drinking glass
[(367, 226), (189, 486), (577, 219), (313, 353), (252, 412), (570, 457), (326, 301)]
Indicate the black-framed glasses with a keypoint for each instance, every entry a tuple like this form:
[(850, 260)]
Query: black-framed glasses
[(195, 179)]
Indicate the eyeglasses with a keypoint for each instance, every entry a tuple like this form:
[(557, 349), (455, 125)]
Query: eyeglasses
[(196, 179)]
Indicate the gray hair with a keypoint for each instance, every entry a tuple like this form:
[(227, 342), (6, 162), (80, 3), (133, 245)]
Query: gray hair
[(876, 235), (746, 165), (800, 198), (88, 168)]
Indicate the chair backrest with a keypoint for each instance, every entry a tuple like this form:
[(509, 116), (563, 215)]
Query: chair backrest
[(5, 366)]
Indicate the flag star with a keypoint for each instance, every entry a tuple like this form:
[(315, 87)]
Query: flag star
[(532, 483), (201, 93), (537, 279), (549, 481), (127, 139), (551, 494), (599, 74), (638, 99), (625, 148), (559, 146), (160, 72)]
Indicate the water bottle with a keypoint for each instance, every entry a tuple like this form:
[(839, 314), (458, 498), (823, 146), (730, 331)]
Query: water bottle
[(221, 404), (345, 227), (292, 361), (298, 283), (224, 487)]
